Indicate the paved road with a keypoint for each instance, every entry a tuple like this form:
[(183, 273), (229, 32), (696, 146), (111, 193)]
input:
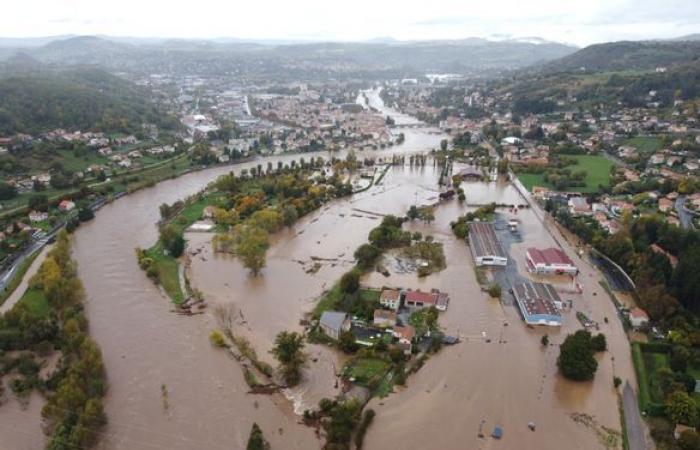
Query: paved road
[(35, 246), (633, 422), (683, 215)]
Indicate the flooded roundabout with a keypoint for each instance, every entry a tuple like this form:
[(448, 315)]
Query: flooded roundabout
[(170, 389)]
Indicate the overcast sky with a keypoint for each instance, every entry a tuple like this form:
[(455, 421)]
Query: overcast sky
[(578, 22)]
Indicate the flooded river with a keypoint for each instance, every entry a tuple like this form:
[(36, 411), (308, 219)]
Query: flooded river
[(169, 389)]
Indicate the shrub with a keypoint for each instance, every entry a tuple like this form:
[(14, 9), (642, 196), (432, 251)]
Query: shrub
[(598, 343), (217, 338), (495, 290), (367, 419)]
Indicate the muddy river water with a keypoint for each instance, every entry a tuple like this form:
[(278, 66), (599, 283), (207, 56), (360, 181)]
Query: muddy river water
[(169, 389)]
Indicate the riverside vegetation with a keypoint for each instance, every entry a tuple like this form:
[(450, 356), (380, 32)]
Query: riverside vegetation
[(49, 318), (245, 209)]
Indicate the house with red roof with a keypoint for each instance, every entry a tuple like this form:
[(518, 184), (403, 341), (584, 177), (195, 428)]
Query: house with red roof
[(419, 300)]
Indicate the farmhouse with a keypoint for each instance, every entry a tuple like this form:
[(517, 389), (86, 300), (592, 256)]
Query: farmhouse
[(549, 260), (484, 245), (537, 303)]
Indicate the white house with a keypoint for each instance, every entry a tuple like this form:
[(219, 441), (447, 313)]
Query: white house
[(638, 317)]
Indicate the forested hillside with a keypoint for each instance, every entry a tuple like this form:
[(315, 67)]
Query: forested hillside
[(76, 99), (628, 55)]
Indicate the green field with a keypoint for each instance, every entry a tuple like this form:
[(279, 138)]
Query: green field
[(645, 144), (366, 370), (597, 172), (36, 302)]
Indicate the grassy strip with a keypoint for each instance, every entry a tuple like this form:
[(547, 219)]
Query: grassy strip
[(17, 279), (642, 376), (167, 273), (329, 301), (35, 301)]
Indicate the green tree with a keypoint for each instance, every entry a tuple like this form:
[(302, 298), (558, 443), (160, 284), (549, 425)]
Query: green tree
[(545, 340), (366, 255), (7, 191), (681, 408), (346, 342), (38, 202), (289, 215), (172, 240), (576, 360), (426, 214), (288, 350), (350, 281), (257, 441), (598, 343), (85, 214), (251, 247)]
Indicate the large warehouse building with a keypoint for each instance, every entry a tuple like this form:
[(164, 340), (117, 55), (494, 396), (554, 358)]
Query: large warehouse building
[(485, 247), (549, 260), (538, 303)]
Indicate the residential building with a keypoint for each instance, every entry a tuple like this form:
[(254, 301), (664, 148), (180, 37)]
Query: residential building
[(66, 205), (38, 216), (384, 318), (333, 323), (638, 317), (579, 206), (390, 298)]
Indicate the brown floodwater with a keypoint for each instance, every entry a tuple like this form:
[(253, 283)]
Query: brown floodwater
[(149, 351), (168, 388)]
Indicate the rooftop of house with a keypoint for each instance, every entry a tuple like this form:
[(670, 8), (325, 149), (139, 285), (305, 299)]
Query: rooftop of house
[(389, 295), (333, 319), (639, 313), (384, 314), (421, 297)]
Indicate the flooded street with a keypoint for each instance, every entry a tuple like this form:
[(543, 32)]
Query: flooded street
[(169, 388)]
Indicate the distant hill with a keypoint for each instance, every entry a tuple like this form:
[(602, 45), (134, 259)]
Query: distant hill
[(688, 37), (627, 55), (541, 92), (82, 50), (383, 57), (78, 99)]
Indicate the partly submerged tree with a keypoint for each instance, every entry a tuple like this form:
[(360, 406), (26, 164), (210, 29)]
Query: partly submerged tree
[(288, 351), (576, 360), (257, 441)]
